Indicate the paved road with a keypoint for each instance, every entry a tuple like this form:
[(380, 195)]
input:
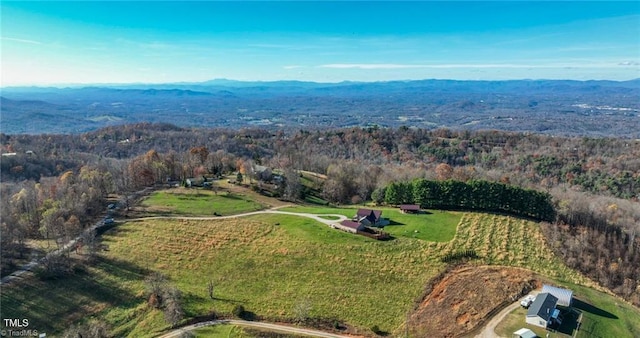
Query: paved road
[(489, 329), (259, 325)]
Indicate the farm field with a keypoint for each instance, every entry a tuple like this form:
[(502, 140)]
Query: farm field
[(270, 269), (199, 202)]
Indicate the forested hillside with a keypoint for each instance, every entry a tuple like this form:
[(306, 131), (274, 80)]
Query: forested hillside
[(54, 183)]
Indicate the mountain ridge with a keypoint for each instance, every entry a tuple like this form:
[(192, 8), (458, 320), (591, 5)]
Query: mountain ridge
[(563, 107)]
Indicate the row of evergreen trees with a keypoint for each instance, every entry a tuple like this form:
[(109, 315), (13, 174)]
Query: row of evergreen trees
[(471, 195)]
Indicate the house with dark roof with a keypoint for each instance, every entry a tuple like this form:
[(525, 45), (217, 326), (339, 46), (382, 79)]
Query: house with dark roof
[(410, 208), (542, 310), (369, 217), (565, 296), (349, 226)]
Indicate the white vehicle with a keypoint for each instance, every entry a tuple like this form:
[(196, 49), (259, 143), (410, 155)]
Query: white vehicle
[(527, 301)]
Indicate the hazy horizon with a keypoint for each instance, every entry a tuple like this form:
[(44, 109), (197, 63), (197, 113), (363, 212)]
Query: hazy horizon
[(121, 43), (221, 82)]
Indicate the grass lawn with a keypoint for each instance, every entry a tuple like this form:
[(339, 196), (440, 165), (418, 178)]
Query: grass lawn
[(515, 320), (199, 202), (330, 218), (349, 212), (220, 331), (603, 316), (315, 200), (232, 331), (435, 226)]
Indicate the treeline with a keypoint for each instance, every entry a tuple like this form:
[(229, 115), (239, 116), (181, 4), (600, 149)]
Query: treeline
[(57, 209), (472, 195), (69, 176), (604, 166)]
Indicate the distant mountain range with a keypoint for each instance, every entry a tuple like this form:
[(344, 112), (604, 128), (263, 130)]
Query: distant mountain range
[(585, 108)]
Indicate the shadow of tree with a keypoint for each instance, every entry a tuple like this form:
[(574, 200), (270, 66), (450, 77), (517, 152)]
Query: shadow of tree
[(392, 223), (578, 304), (82, 293)]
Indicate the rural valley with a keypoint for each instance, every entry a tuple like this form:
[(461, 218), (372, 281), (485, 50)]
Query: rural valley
[(576, 108), (330, 169), (222, 226)]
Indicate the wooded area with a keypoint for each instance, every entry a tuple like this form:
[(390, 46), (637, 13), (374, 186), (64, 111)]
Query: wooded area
[(55, 184)]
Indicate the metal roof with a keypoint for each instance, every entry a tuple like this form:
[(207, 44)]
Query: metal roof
[(564, 296), (525, 333)]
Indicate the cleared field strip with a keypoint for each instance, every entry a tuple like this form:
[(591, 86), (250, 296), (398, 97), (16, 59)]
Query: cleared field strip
[(503, 240)]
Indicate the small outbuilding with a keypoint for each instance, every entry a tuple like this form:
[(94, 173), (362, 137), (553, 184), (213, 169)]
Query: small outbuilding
[(565, 296), (542, 310), (410, 208), (524, 333)]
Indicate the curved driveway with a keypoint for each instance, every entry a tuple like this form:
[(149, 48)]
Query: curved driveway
[(489, 329), (259, 325), (317, 217)]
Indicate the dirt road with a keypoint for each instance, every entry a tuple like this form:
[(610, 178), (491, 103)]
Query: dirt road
[(317, 217), (258, 325)]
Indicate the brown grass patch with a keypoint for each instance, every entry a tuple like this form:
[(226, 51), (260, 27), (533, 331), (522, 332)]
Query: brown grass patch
[(465, 297)]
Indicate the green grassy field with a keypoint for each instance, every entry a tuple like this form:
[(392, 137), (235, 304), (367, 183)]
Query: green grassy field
[(232, 331), (269, 269), (252, 261), (220, 331), (349, 212), (435, 226), (602, 316), (271, 263), (200, 202)]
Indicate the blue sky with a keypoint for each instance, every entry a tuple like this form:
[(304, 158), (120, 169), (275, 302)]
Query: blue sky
[(46, 43)]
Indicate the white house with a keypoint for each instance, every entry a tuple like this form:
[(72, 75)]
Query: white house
[(542, 310)]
